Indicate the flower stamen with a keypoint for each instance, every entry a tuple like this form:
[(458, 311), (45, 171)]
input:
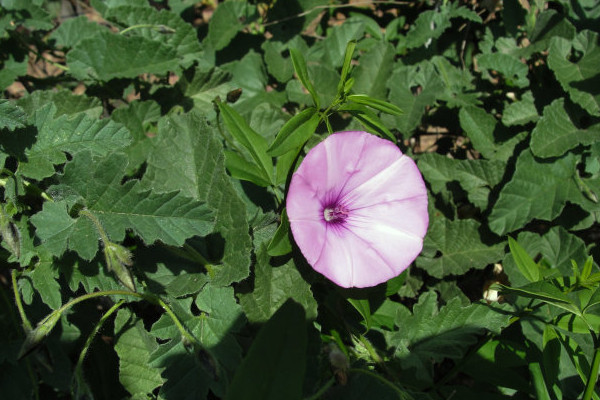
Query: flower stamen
[(335, 213)]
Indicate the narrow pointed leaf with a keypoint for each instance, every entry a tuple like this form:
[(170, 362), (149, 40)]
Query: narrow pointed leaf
[(525, 263), (247, 137), (377, 104), (544, 291), (300, 67), (245, 170), (295, 132), (280, 244), (347, 63)]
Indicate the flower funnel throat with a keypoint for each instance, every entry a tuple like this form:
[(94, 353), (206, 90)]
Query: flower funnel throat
[(358, 209)]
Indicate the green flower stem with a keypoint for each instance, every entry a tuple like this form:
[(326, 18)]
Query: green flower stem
[(593, 376), (90, 338), (26, 324), (322, 391), (379, 378), (151, 298), (159, 28), (182, 329)]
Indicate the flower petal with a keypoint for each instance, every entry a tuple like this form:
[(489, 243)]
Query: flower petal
[(386, 200)]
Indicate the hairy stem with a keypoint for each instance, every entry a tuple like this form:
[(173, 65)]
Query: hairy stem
[(322, 390), (380, 379), (26, 324), (90, 338)]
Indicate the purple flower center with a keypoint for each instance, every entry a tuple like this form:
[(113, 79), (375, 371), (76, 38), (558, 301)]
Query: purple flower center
[(335, 213)]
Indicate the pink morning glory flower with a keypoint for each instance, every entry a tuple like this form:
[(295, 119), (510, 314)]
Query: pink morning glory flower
[(358, 209)]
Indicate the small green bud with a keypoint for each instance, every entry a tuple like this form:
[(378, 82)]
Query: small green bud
[(118, 259), (36, 336)]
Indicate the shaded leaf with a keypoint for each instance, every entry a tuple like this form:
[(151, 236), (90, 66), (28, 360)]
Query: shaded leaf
[(580, 79), (11, 115), (295, 132), (520, 112), (107, 55), (275, 364), (536, 190), (555, 132), (134, 345), (56, 136), (454, 247), (195, 166), (273, 286), (169, 217), (476, 177), (431, 334)]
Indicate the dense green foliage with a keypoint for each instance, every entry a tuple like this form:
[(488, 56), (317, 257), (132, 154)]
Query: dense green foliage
[(146, 149)]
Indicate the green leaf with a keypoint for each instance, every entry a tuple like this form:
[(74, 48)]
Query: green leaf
[(430, 24), (482, 129), (228, 19), (160, 26), (476, 177), (555, 132), (281, 245), (65, 101), (247, 137), (379, 105), (44, 281), (346, 65), (11, 115), (514, 71), (242, 169), (546, 292), (203, 85), (536, 190), (107, 55), (374, 68), (526, 265), (273, 286), (281, 68), (169, 217), (134, 345), (401, 84), (520, 112), (188, 374), (196, 168), (429, 334), (275, 364), (454, 247), (332, 50), (10, 70), (295, 132), (557, 247), (580, 78), (300, 67), (72, 135), (593, 301), (368, 119), (73, 30)]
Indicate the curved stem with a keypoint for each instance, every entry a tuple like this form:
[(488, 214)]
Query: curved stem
[(26, 324), (379, 378), (321, 391), (593, 376), (182, 329), (90, 338)]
